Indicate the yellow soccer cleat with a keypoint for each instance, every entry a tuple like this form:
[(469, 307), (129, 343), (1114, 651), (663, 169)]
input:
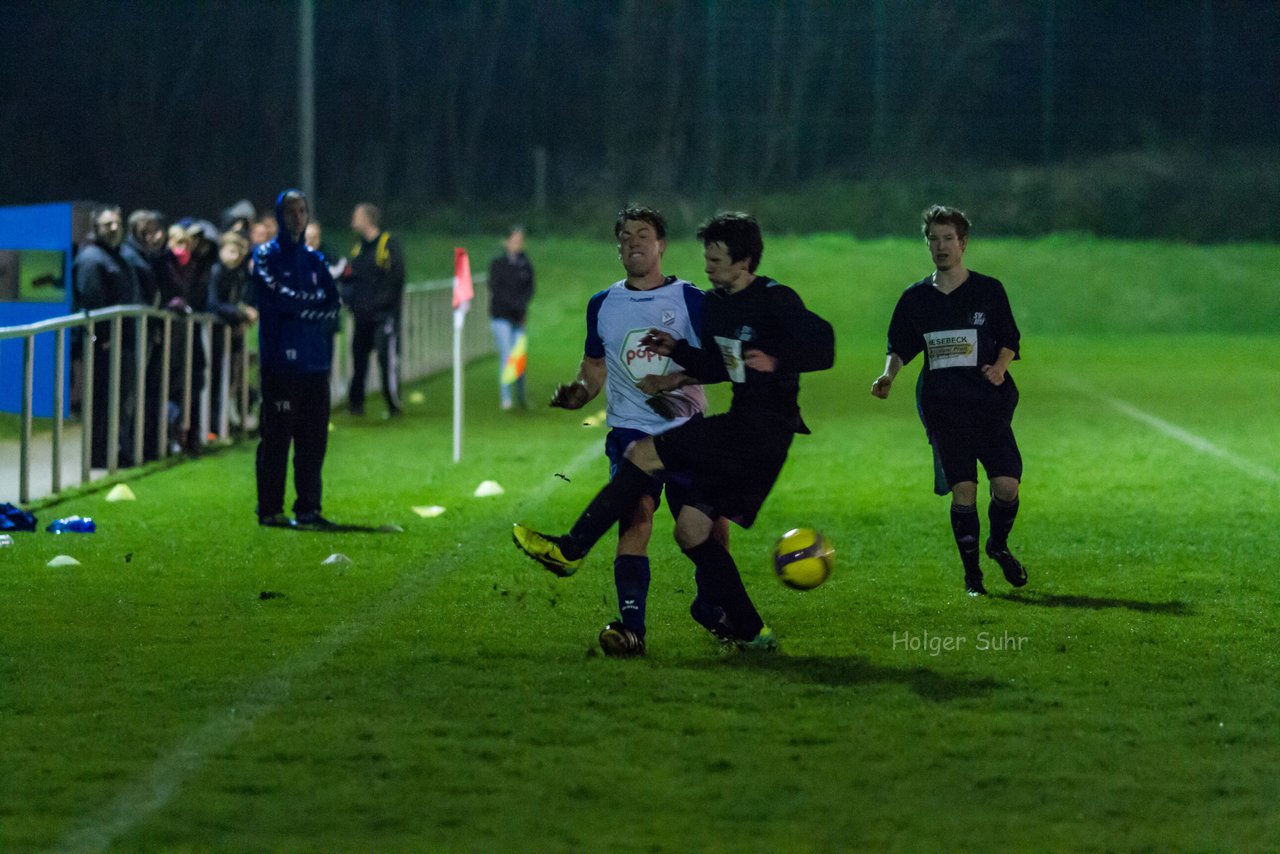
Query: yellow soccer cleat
[(544, 549)]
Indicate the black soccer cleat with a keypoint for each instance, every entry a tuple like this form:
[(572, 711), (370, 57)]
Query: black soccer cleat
[(618, 641), (1014, 572), (973, 584), (713, 619), (276, 520), (313, 521)]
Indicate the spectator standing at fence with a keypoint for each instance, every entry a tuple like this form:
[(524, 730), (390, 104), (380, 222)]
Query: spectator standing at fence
[(374, 286), (297, 304), (193, 253), (102, 278), (144, 250), (511, 289), (228, 300)]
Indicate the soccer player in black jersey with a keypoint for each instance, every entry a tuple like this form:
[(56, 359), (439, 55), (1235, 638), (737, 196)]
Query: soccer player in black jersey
[(757, 334), (961, 321)]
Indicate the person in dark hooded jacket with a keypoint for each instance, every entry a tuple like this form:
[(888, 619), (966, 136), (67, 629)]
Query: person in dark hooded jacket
[(103, 278), (297, 304)]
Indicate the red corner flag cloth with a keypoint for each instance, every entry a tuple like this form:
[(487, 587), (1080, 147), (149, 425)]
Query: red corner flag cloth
[(462, 290)]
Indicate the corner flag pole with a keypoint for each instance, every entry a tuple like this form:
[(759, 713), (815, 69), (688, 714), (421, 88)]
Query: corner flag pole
[(462, 296)]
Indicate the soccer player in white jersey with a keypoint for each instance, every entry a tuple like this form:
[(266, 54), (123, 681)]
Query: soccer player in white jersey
[(614, 360)]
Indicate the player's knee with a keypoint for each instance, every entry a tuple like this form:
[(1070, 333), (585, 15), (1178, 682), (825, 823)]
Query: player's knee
[(1004, 488), (693, 528), (964, 493), (688, 538)]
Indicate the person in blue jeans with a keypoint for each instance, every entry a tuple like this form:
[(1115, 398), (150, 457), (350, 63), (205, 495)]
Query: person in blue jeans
[(511, 287)]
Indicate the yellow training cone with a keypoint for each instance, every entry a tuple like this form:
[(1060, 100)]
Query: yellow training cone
[(121, 492)]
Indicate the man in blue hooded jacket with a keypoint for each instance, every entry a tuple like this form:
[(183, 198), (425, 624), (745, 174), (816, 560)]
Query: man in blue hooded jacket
[(297, 304)]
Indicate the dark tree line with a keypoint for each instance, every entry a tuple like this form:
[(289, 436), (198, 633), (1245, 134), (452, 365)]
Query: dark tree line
[(189, 106)]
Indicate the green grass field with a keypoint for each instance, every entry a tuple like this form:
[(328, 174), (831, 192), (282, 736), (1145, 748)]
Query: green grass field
[(441, 692)]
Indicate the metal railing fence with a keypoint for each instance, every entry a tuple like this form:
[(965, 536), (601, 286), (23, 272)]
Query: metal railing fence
[(425, 347)]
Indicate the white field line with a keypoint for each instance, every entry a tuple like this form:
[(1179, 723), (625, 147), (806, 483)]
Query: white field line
[(158, 785), (1180, 434)]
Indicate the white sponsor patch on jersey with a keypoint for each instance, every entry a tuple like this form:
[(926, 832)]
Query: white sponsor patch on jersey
[(731, 352), (952, 348), (639, 361)]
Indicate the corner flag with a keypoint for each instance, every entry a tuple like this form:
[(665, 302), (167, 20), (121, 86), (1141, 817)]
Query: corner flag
[(463, 293)]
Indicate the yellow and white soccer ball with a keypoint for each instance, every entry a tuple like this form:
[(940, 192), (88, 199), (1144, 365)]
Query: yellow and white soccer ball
[(803, 558)]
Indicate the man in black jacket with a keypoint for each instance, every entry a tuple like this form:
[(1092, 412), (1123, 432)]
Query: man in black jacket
[(102, 278), (374, 290), (510, 292), (757, 334)]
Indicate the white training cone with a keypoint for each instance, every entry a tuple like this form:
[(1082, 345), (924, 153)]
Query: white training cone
[(488, 488), (335, 559), (121, 492), (429, 511), (63, 560)]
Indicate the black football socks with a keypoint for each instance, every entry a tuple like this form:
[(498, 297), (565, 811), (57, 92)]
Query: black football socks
[(1001, 515), (631, 577), (722, 584), (966, 528), (618, 496)]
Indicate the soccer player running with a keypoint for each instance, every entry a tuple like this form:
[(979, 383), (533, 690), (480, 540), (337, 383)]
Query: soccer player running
[(614, 360), (961, 320), (757, 334)]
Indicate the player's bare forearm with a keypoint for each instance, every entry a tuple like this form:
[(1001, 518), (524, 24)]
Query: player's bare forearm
[(892, 364), (660, 384), (584, 388)]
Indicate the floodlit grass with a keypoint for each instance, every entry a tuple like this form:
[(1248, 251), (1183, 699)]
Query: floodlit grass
[(442, 693)]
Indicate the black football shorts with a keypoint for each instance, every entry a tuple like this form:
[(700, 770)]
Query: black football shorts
[(732, 461), (964, 438)]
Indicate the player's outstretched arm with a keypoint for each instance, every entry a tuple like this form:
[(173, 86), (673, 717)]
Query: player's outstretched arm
[(662, 383), (703, 366), (584, 388), (880, 388)]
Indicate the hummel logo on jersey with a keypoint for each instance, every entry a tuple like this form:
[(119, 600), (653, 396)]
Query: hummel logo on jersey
[(979, 318), (642, 299)]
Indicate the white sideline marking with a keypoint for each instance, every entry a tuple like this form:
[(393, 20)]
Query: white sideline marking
[(155, 788), (1186, 437)]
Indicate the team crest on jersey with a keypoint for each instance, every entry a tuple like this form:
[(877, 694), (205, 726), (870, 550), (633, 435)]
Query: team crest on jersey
[(746, 333), (979, 318), (668, 317)]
